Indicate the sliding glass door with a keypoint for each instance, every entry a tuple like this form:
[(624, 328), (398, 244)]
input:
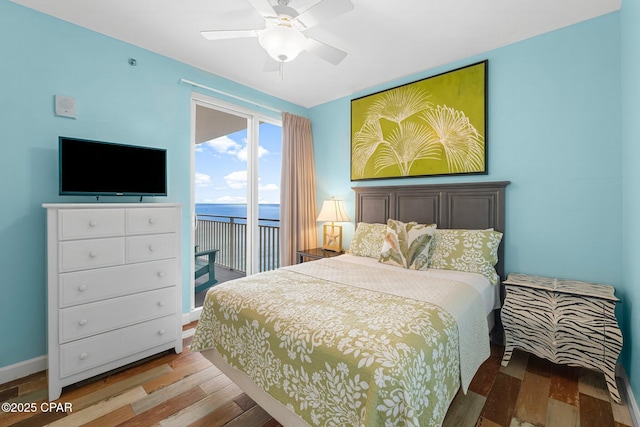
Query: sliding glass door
[(236, 190)]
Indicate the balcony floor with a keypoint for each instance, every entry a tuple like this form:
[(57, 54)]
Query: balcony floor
[(223, 274)]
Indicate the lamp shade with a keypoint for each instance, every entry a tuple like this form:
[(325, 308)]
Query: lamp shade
[(333, 211), (283, 43)]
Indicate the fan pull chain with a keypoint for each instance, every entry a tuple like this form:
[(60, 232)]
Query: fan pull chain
[(281, 70)]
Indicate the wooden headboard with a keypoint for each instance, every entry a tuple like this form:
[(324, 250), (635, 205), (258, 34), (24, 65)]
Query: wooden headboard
[(475, 205)]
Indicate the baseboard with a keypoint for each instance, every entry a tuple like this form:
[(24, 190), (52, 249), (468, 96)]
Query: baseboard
[(192, 316), (22, 369), (631, 400)]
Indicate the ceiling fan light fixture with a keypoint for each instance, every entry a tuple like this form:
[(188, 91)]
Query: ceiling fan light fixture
[(283, 43)]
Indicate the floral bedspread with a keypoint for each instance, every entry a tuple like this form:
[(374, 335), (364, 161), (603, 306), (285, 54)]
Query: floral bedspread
[(338, 354)]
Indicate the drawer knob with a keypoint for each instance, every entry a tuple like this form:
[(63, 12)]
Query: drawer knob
[(82, 288), (161, 303), (161, 332), (151, 221), (83, 356), (83, 322), (160, 273), (151, 248), (92, 224), (93, 254)]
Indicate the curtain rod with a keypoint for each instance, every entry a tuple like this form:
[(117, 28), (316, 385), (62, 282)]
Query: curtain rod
[(189, 82)]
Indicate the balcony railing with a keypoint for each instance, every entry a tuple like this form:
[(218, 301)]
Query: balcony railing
[(229, 235)]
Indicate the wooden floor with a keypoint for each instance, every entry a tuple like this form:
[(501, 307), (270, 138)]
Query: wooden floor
[(186, 390)]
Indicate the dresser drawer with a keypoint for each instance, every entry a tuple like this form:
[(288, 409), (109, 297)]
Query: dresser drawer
[(540, 343), (521, 319), (81, 355), (89, 223), (522, 311), (575, 351), (585, 309), (147, 248), (90, 319), (588, 331), (87, 286), (534, 300), (537, 335), (151, 220), (87, 254)]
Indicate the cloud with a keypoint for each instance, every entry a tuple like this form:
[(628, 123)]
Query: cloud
[(202, 180), (236, 180), (226, 145), (242, 153)]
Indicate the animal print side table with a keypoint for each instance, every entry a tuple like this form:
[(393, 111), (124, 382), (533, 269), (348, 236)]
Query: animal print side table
[(564, 321)]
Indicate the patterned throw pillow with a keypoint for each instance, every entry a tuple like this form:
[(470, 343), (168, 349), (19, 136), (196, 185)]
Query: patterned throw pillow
[(407, 244), (474, 251), (368, 240)]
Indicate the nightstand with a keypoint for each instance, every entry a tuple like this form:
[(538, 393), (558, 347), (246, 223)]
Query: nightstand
[(564, 321), (315, 253)]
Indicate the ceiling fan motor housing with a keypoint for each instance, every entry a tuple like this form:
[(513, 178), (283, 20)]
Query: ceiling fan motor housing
[(284, 38), (285, 12), (283, 43)]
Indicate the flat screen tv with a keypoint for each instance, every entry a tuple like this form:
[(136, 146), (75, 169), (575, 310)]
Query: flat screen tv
[(96, 168)]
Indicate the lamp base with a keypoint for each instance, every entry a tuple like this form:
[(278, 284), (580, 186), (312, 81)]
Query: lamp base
[(332, 238)]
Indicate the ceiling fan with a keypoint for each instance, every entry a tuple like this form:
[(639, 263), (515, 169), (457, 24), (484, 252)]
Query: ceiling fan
[(283, 36)]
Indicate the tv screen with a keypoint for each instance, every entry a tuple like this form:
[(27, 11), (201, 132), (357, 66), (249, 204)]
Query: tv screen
[(108, 169)]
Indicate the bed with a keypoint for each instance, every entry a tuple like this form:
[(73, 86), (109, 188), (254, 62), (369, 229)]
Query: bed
[(350, 340)]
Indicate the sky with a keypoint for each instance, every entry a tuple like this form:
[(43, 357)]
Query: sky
[(221, 167)]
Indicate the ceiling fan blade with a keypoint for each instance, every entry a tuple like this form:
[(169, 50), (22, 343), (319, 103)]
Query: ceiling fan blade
[(228, 34), (328, 53), (324, 10), (264, 7)]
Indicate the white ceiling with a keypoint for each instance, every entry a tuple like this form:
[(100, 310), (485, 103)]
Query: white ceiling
[(385, 40)]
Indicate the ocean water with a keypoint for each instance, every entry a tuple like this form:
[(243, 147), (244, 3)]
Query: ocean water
[(239, 211)]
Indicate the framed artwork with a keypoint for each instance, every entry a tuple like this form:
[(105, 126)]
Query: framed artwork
[(432, 127)]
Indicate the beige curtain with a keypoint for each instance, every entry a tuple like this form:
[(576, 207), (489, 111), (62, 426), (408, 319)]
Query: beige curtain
[(298, 227)]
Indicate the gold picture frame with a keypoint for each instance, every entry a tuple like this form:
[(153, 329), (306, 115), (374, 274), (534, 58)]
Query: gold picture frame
[(432, 127)]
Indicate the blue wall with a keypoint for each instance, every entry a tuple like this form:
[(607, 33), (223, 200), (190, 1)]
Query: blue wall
[(631, 186), (555, 132), (144, 105)]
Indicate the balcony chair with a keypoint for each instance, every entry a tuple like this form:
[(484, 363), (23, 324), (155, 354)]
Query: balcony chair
[(205, 262)]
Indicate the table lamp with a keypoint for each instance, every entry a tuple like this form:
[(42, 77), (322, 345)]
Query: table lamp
[(332, 211)]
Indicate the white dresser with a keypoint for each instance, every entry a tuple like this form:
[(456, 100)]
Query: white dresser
[(564, 321), (114, 287)]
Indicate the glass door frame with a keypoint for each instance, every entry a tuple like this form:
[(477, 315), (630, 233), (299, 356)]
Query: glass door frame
[(254, 118)]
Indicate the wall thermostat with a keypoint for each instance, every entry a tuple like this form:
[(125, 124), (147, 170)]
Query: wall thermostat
[(65, 106)]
